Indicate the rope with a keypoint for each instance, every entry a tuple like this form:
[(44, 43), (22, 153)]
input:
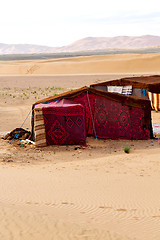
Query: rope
[(17, 134), (92, 116)]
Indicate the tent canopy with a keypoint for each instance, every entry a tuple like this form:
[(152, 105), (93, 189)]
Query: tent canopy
[(125, 100), (152, 83), (106, 115), (131, 101)]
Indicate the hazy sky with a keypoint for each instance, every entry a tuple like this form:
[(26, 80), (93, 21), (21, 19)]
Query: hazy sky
[(61, 22)]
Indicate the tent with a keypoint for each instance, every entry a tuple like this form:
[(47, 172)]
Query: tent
[(69, 117), (147, 87), (60, 122)]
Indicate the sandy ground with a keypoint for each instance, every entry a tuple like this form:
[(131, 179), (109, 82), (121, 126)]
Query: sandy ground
[(118, 63), (57, 192), (98, 192)]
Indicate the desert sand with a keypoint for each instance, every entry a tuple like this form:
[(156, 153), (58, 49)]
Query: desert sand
[(57, 192), (118, 63)]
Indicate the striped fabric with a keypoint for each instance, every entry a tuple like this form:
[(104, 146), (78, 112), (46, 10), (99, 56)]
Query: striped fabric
[(155, 100), (39, 128), (127, 90)]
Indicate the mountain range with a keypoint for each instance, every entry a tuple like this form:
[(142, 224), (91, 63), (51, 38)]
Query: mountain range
[(89, 43)]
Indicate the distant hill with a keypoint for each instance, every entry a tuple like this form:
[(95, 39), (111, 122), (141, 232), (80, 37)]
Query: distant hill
[(89, 43), (24, 49), (92, 43)]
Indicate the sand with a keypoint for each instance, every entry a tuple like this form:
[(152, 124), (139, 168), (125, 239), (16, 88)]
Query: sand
[(118, 63), (92, 193), (57, 192)]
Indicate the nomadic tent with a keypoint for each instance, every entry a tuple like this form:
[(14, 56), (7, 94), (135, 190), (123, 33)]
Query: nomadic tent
[(147, 87), (69, 117)]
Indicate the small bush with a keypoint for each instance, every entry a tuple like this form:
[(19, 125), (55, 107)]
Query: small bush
[(58, 88), (127, 149)]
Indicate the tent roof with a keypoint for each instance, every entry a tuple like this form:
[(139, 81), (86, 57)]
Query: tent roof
[(125, 100), (150, 82), (56, 104)]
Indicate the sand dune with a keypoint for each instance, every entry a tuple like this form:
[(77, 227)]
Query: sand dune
[(120, 63), (83, 199)]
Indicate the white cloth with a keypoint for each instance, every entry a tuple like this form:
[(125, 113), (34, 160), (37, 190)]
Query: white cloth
[(126, 90), (115, 89)]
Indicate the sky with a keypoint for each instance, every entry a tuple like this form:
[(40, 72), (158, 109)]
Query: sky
[(58, 23)]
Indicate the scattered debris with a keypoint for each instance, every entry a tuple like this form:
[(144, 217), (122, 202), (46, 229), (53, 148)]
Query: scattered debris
[(21, 145), (27, 141), (76, 148), (17, 133), (79, 147), (10, 160)]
